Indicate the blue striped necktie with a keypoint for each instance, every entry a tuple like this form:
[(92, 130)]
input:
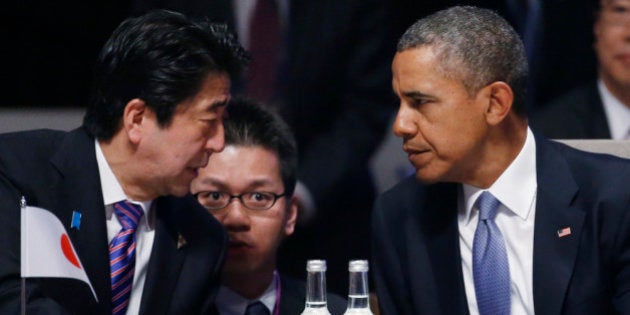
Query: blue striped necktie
[(491, 270), (122, 254)]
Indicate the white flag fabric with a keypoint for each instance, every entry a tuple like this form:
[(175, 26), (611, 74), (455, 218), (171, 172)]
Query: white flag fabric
[(46, 248)]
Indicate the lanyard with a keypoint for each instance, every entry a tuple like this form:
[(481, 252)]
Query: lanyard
[(276, 309)]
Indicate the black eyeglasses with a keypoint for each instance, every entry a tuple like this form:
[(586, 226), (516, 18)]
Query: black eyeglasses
[(256, 200)]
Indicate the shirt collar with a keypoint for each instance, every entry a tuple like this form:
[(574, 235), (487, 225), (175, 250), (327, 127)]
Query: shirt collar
[(231, 303), (617, 114), (113, 192), (515, 188)]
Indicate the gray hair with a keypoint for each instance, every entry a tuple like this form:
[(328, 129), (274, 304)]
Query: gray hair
[(474, 45)]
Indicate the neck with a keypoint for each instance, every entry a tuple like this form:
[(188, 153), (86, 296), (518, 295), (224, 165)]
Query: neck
[(248, 285), (120, 156), (618, 90), (503, 144)]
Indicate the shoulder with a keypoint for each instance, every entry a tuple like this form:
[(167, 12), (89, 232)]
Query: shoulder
[(17, 146), (25, 156), (602, 175), (570, 111)]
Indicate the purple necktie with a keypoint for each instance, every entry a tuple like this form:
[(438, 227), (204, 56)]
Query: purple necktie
[(491, 270), (122, 255)]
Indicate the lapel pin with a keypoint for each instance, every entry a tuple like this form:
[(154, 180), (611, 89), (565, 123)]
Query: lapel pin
[(564, 232), (76, 220), (181, 241)]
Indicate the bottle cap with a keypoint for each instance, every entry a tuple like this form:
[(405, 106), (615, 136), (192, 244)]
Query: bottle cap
[(358, 266), (316, 265)]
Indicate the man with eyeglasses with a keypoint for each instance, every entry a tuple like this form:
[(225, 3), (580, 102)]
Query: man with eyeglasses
[(249, 187), (601, 108)]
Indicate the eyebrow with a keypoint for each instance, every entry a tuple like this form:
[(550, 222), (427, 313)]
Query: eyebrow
[(415, 94), (218, 104), (223, 186)]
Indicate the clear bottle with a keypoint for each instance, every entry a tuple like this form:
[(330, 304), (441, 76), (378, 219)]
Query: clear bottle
[(316, 288), (358, 292)]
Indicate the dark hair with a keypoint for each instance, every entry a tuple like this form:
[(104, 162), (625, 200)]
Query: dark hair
[(162, 58), (474, 45), (250, 123)]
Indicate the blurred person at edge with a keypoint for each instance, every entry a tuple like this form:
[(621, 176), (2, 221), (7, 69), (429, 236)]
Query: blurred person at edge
[(599, 109)]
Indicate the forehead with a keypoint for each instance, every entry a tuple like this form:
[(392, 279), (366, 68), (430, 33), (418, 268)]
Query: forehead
[(605, 3), (214, 89), (419, 69), (242, 166)]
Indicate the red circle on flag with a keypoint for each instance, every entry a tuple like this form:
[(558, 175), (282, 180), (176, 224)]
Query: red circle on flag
[(66, 247)]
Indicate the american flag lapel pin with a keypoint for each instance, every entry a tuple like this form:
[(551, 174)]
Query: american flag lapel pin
[(564, 232), (181, 241)]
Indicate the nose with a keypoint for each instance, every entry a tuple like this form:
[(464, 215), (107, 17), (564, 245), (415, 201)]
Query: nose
[(235, 217), (216, 141), (404, 126)]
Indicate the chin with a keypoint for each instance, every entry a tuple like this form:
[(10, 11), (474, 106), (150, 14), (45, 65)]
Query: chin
[(179, 191), (427, 178)]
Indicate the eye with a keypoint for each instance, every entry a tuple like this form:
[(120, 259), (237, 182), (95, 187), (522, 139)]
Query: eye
[(258, 199), (213, 199), (215, 195)]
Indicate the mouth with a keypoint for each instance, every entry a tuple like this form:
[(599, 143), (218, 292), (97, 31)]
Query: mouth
[(237, 243), (414, 151), (237, 248)]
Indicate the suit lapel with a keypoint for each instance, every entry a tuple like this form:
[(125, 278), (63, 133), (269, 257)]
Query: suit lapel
[(78, 189), (554, 255), (439, 223), (167, 257)]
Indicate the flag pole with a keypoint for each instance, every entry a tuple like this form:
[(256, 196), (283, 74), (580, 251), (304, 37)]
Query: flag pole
[(23, 293)]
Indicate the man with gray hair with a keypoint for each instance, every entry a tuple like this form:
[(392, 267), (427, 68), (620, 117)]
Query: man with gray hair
[(497, 220)]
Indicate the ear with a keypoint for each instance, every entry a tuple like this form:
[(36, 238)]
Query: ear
[(133, 117), (500, 102), (291, 216)]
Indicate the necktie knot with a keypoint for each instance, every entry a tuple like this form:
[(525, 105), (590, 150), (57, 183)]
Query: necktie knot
[(257, 308), (128, 214), (488, 206)]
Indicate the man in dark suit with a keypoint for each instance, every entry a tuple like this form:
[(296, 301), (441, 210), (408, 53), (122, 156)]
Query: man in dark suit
[(601, 108), (162, 84), (497, 221), (331, 86), (249, 188)]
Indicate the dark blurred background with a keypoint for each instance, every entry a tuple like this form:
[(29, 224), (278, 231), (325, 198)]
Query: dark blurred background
[(49, 46)]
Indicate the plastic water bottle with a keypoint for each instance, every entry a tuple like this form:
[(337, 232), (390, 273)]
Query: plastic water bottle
[(358, 292), (316, 288)]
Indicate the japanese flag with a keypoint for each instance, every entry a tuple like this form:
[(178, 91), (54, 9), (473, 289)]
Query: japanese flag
[(46, 248)]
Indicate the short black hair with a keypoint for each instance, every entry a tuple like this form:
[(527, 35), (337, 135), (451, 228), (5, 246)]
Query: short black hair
[(161, 57), (250, 123), (474, 45)]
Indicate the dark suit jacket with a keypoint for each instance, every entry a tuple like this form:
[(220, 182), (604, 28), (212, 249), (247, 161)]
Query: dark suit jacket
[(578, 114), (293, 298), (58, 171), (335, 93), (416, 258)]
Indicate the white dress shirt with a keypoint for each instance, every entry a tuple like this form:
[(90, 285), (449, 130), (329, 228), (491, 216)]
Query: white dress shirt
[(145, 233), (617, 114), (229, 302), (516, 190)]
